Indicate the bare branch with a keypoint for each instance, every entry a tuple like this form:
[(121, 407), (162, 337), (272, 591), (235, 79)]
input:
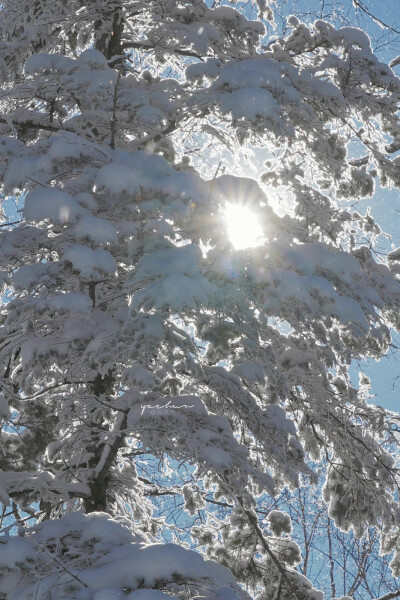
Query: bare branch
[(359, 4)]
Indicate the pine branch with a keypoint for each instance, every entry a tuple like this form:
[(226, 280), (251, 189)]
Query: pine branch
[(29, 124), (59, 563), (150, 47)]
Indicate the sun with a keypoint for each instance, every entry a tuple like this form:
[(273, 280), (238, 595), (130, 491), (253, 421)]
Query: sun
[(243, 227)]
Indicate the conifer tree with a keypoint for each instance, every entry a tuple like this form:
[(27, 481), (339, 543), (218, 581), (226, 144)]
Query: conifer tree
[(133, 332)]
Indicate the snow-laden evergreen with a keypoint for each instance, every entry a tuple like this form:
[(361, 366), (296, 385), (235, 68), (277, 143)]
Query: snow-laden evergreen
[(131, 327)]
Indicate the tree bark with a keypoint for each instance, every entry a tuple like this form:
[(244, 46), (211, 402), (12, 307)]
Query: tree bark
[(109, 42)]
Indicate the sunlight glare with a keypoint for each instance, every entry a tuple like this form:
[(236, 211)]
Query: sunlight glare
[(244, 229)]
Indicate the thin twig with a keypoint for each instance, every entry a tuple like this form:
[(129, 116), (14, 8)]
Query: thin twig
[(58, 562), (361, 6)]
